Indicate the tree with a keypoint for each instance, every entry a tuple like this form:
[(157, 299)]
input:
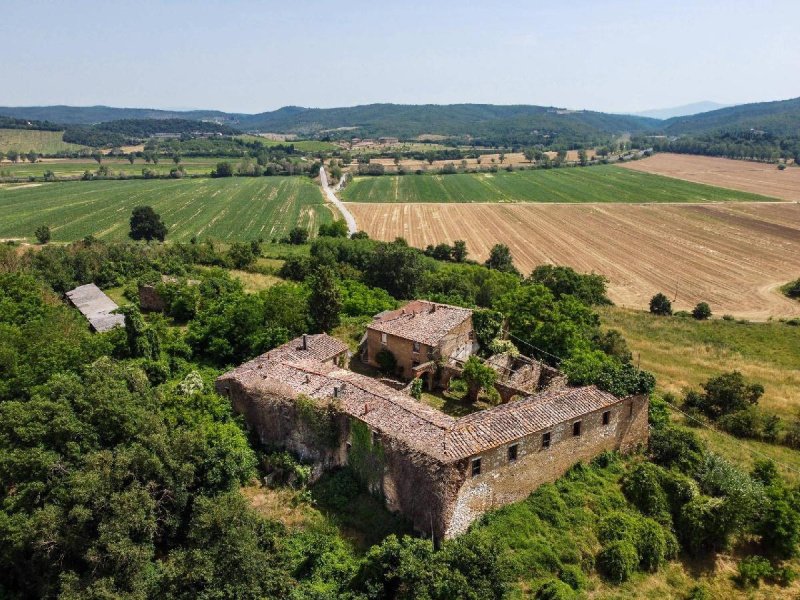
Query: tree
[(500, 259), (97, 156), (146, 224), (336, 229), (725, 394), (32, 156), (224, 169), (660, 305), (241, 254), (298, 235), (502, 157), (325, 302), (702, 311), (42, 234), (176, 158), (582, 158), (131, 157), (386, 361), (459, 251), (13, 155), (478, 377)]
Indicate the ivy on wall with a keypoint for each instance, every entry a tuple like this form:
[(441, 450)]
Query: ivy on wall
[(366, 459)]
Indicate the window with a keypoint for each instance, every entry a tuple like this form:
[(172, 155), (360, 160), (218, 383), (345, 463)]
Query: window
[(376, 438), (607, 417), (383, 339), (476, 466), (471, 335), (512, 452), (415, 347), (349, 447), (576, 428), (546, 440)]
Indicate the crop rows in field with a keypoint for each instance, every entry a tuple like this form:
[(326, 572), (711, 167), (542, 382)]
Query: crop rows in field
[(43, 142), (227, 209), (74, 167), (588, 184), (732, 255)]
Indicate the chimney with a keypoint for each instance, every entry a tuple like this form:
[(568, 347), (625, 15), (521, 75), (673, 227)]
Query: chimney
[(336, 391), (305, 342)]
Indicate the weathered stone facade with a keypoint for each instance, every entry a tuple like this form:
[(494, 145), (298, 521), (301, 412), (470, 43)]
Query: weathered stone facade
[(439, 471), (419, 333)]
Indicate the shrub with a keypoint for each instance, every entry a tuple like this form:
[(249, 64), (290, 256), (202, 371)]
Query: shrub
[(676, 447), (642, 487), (660, 305), (617, 526), (416, 388), (702, 311), (574, 577), (617, 561), (752, 570), (651, 545), (386, 361), (555, 590), (792, 289)]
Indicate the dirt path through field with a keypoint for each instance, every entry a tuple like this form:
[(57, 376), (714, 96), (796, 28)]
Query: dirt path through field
[(331, 196), (732, 255), (746, 176)]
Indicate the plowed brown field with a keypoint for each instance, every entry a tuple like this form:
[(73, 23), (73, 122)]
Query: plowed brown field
[(747, 176), (731, 255)]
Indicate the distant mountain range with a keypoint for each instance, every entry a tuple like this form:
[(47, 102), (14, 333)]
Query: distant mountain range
[(681, 111), (516, 123)]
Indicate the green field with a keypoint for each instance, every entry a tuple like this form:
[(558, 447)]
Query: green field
[(301, 145), (590, 184), (43, 142), (74, 167), (235, 208)]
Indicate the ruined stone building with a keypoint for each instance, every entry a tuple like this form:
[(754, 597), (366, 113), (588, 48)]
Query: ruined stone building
[(96, 307), (439, 471), (418, 335)]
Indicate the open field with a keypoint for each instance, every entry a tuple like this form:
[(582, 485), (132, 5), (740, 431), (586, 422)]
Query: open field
[(235, 208), (302, 145), (74, 167), (43, 142), (747, 176), (733, 256), (589, 184), (683, 352)]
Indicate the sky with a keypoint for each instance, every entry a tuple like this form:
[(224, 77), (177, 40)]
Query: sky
[(253, 56)]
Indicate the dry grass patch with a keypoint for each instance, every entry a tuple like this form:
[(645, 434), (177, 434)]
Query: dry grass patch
[(255, 282), (747, 176), (282, 505)]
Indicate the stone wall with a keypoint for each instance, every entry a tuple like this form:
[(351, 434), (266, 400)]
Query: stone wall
[(150, 300), (502, 482)]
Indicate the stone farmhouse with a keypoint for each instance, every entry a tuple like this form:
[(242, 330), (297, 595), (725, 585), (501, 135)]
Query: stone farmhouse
[(441, 472)]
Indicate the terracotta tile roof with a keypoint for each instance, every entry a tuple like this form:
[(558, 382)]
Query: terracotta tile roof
[(96, 307), (501, 424), (396, 414), (321, 347), (421, 321)]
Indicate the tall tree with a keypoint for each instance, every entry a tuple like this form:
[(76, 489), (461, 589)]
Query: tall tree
[(500, 259), (146, 224), (325, 303)]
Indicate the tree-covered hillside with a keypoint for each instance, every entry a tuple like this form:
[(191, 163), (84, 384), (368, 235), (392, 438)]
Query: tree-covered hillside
[(781, 118)]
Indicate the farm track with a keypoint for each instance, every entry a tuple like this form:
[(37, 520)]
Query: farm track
[(732, 255), (746, 176), (226, 209)]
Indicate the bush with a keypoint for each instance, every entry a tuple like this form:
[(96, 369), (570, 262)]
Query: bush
[(642, 487), (555, 590), (651, 545), (702, 311), (676, 447), (386, 361), (617, 561), (660, 305), (42, 234), (574, 577), (752, 570)]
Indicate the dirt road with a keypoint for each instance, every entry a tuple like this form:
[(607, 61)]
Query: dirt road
[(331, 196)]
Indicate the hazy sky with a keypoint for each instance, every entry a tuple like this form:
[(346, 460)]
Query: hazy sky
[(251, 56)]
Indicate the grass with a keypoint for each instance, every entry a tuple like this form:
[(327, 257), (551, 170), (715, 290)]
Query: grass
[(43, 142), (74, 167), (590, 184), (683, 353), (227, 209)]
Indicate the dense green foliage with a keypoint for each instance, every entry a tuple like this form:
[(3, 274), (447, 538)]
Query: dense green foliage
[(131, 131)]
